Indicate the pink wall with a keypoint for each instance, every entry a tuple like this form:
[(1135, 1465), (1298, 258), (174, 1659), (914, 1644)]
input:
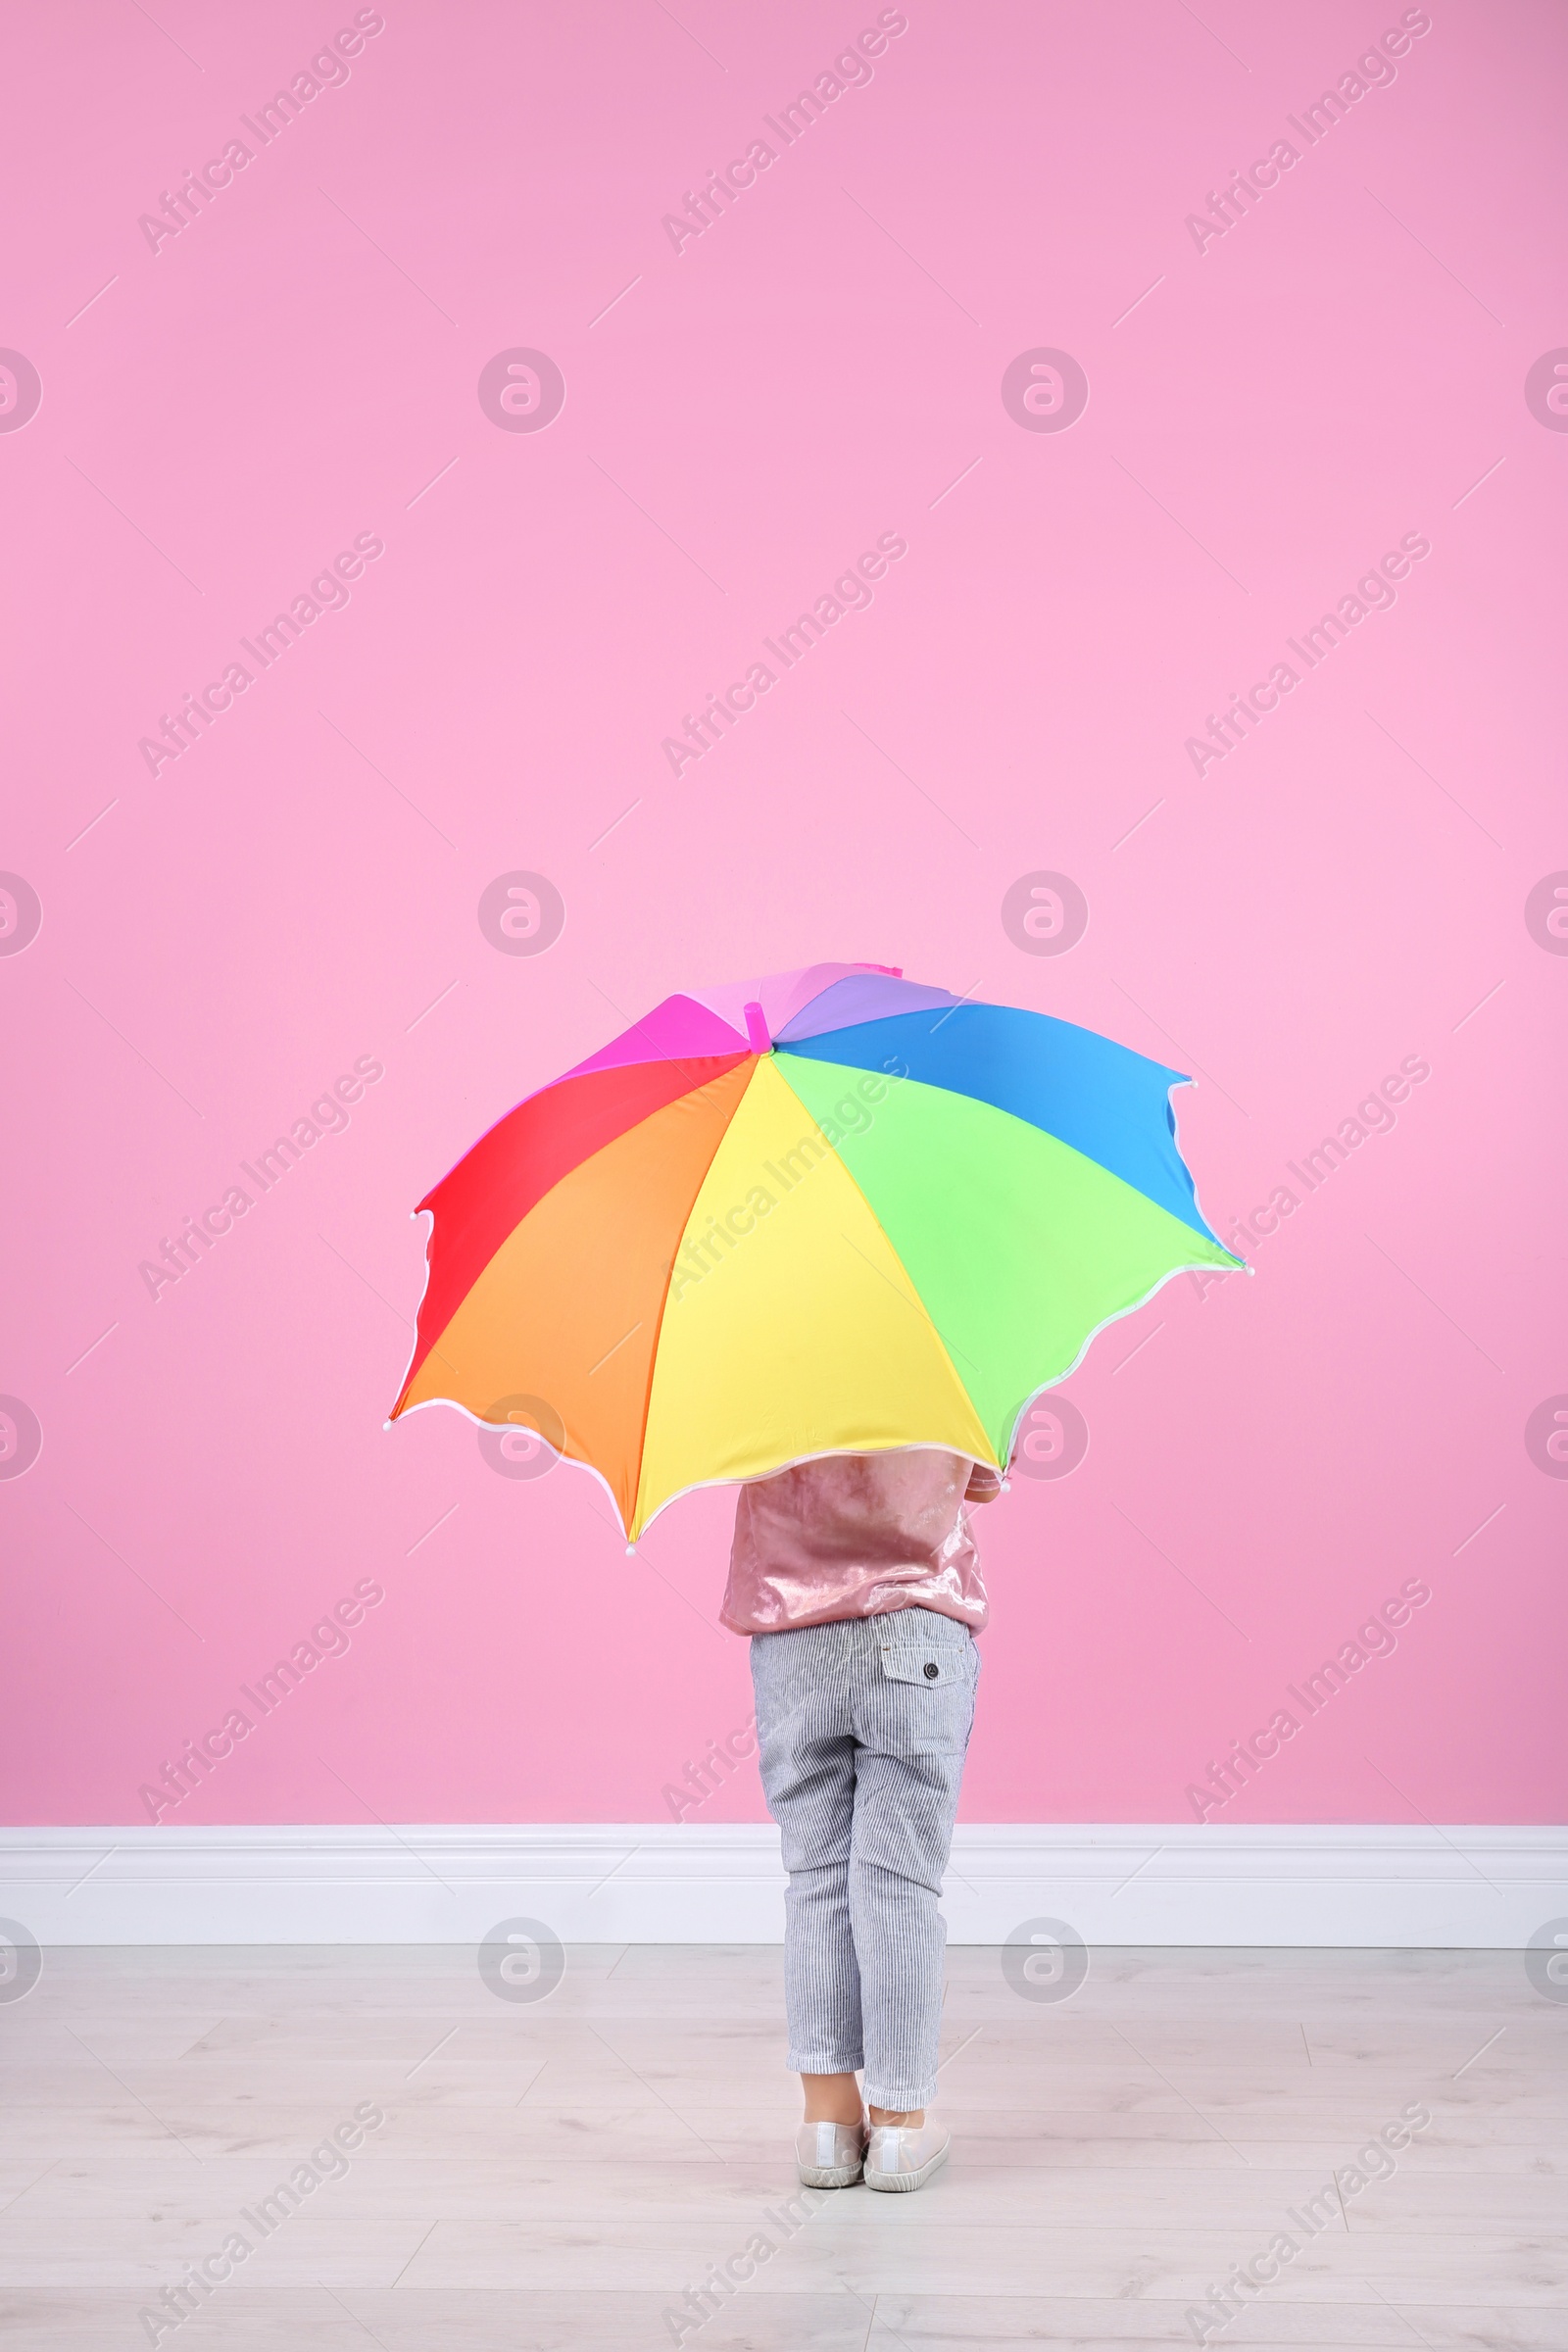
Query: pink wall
[(1344, 366)]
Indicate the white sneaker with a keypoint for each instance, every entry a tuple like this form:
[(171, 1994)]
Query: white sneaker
[(905, 2155), (830, 2155)]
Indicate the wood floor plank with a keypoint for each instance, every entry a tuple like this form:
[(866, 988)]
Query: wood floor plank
[(584, 2319)]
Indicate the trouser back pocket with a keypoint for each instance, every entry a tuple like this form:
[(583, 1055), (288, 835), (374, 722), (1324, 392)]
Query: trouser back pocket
[(927, 1692)]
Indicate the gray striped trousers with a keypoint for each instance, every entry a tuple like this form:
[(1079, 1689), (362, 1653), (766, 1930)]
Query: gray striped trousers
[(861, 1730)]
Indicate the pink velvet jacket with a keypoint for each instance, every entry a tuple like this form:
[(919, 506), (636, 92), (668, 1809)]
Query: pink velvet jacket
[(855, 1535)]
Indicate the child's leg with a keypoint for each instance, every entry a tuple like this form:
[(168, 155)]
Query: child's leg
[(806, 1750), (904, 1825), (914, 1729), (832, 2099)]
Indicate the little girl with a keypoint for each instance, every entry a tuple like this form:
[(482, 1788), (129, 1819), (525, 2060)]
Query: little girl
[(857, 1578)]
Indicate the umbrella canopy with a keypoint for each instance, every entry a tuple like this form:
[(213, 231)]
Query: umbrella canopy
[(829, 1211)]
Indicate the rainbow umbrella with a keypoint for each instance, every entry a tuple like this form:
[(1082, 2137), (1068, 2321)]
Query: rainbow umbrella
[(829, 1211)]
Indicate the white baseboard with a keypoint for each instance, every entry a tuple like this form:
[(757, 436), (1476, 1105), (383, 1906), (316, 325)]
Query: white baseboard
[(1487, 1887)]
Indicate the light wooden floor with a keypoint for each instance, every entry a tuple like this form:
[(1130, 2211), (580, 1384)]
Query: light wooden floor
[(557, 2176)]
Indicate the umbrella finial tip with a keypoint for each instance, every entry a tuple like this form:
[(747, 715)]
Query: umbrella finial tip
[(631, 1551)]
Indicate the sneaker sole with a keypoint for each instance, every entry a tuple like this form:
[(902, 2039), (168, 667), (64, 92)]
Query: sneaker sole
[(838, 2175), (906, 2180)]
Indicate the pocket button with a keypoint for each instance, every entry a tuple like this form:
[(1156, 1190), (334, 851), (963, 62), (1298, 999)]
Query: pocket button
[(932, 1670)]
